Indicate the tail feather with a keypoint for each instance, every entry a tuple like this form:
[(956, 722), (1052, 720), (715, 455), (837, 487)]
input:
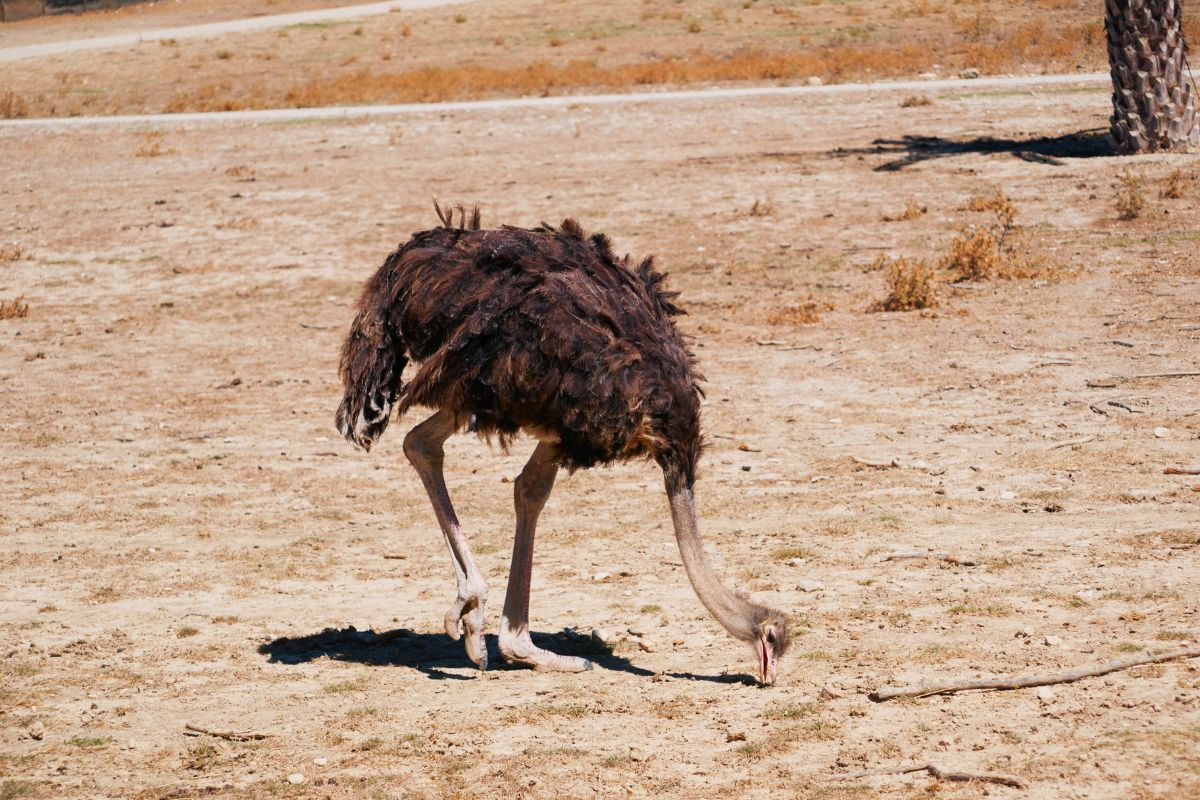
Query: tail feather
[(372, 363)]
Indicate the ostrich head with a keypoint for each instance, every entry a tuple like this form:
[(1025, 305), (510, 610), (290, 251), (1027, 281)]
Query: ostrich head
[(771, 640)]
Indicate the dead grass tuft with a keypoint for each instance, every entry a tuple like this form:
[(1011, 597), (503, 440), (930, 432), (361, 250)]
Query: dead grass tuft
[(916, 101), (11, 252), (14, 309), (912, 210), (1175, 185), (1130, 201), (974, 256), (762, 207), (13, 106), (910, 285), (806, 312)]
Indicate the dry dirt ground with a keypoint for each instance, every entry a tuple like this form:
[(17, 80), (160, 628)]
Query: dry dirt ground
[(184, 539)]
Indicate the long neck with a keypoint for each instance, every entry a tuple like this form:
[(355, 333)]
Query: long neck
[(734, 612)]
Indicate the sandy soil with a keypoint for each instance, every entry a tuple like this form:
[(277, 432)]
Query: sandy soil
[(148, 16), (184, 540)]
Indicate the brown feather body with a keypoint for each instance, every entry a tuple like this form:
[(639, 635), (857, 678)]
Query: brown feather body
[(540, 329)]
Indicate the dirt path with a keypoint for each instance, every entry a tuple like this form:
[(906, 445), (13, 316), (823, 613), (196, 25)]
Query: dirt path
[(215, 29), (348, 113), (183, 538)]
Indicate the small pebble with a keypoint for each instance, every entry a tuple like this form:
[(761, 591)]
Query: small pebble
[(810, 586), (1007, 495), (37, 730), (320, 761), (1045, 694), (735, 736), (637, 630), (1161, 433), (1086, 595), (1052, 641), (646, 647), (829, 692), (1024, 633), (601, 576), (296, 778), (601, 635)]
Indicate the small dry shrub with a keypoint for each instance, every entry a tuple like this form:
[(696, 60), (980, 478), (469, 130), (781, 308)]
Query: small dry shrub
[(11, 252), (1130, 200), (973, 256), (13, 106), (153, 146), (762, 208), (911, 211), (1006, 212), (1175, 183), (916, 100), (14, 309), (910, 285), (806, 312)]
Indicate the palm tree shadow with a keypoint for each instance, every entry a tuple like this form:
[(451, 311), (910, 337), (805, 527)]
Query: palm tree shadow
[(434, 653), (1051, 150)]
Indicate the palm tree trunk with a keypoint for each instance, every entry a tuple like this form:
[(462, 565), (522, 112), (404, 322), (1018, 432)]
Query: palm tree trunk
[(1154, 107)]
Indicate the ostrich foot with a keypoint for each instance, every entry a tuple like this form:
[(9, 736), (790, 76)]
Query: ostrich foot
[(518, 648), (466, 617)]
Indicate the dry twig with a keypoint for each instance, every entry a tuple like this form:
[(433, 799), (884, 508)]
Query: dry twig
[(947, 557), (1181, 471), (1027, 681), (235, 736), (939, 772), (1085, 440)]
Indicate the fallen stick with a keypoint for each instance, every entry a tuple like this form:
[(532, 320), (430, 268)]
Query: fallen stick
[(866, 462), (947, 557), (312, 327), (1054, 364), (1027, 681), (939, 772), (196, 730), (1181, 471), (1147, 375), (1071, 442)]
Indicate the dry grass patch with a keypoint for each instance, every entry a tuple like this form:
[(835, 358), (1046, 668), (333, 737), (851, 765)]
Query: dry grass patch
[(13, 106), (14, 309), (916, 101), (805, 312)]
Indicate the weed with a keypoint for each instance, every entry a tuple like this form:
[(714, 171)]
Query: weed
[(785, 553), (10, 790), (367, 745), (974, 256), (224, 55), (910, 286), (344, 687), (791, 711), (11, 252), (762, 208), (201, 757), (1006, 212), (1174, 188), (556, 41), (650, 608), (13, 106), (806, 312), (911, 211), (460, 18), (1129, 200), (14, 309), (186, 632), (1129, 647), (1172, 636), (695, 27), (916, 101), (90, 741)]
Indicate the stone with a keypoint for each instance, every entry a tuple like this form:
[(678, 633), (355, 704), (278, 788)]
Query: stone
[(830, 692), (295, 779), (815, 81), (637, 630), (601, 576), (37, 730), (1045, 694), (810, 586), (1052, 641), (601, 635), (1161, 432), (969, 73), (320, 761), (1024, 633)]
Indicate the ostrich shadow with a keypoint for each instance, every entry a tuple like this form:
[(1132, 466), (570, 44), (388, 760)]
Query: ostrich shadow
[(912, 149), (434, 653)]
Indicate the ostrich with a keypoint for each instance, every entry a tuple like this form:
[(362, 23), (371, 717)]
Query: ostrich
[(545, 331)]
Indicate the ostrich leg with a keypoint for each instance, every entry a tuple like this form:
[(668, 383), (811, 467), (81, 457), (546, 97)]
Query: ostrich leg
[(423, 446), (529, 496)]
